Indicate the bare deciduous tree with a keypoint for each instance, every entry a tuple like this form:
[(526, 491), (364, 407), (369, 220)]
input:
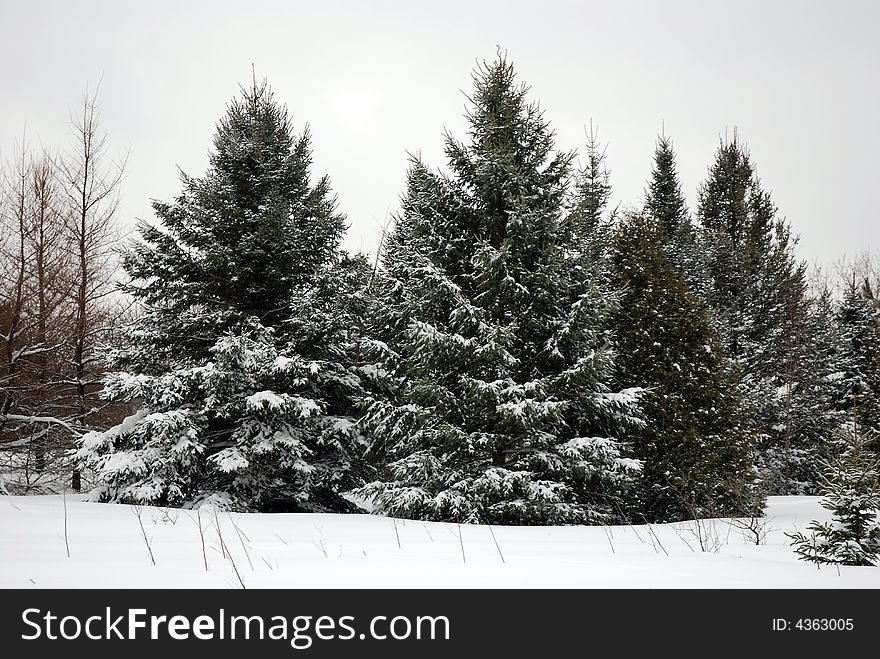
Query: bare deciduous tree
[(32, 311), (57, 308), (92, 183)]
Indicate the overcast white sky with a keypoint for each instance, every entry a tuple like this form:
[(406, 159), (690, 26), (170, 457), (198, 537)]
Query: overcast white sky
[(800, 79)]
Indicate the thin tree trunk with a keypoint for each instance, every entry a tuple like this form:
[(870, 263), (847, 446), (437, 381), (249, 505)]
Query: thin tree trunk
[(40, 195), (92, 188)]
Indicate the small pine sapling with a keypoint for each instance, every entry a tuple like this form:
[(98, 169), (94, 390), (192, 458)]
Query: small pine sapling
[(852, 494)]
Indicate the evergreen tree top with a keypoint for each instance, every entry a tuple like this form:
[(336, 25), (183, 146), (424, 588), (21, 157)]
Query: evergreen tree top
[(510, 163), (241, 240), (858, 311), (592, 190), (664, 199), (725, 198), (255, 127), (502, 119)]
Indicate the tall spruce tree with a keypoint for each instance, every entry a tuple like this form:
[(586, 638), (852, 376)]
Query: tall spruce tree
[(697, 451), (814, 413), (757, 298), (241, 358), (495, 334), (858, 322), (593, 188), (665, 202), (586, 216)]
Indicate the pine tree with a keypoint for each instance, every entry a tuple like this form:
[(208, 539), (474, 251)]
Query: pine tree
[(494, 333), (241, 357), (593, 189), (757, 299), (812, 413), (858, 319), (665, 202), (586, 217), (852, 494), (239, 241), (697, 453)]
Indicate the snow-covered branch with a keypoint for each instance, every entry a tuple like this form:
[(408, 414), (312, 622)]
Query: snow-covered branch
[(49, 420)]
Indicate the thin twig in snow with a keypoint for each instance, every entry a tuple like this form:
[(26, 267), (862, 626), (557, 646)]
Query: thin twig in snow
[(202, 537), (241, 540), (496, 544), (137, 512), (657, 538), (653, 542), (678, 533), (428, 532), (461, 542), (637, 534), (320, 543), (243, 533), (396, 534), (228, 554), (608, 535), (64, 501), (219, 532)]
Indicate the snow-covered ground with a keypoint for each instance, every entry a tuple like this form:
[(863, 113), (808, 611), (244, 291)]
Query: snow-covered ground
[(107, 549)]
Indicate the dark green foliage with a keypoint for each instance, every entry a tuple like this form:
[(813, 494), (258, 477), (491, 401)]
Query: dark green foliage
[(756, 295), (493, 328), (859, 330), (697, 452), (243, 360), (851, 490), (592, 190), (811, 413), (664, 200), (239, 241)]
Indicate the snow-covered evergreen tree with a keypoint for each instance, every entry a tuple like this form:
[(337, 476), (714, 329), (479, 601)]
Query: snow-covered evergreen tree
[(858, 321), (241, 361), (756, 295), (494, 333), (852, 494), (697, 451), (665, 202), (592, 184), (812, 415)]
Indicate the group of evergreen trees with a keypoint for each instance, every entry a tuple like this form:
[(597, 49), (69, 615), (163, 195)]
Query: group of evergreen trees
[(517, 355)]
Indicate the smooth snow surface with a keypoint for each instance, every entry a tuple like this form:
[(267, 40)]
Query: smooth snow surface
[(107, 549)]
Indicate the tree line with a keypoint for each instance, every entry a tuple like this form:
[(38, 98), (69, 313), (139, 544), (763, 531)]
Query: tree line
[(517, 353), (58, 228)]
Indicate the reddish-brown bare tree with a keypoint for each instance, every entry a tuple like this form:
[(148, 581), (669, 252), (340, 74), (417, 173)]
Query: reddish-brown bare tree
[(57, 309), (92, 181), (32, 314)]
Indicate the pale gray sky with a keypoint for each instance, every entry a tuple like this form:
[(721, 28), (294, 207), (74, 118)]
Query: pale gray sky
[(374, 80)]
